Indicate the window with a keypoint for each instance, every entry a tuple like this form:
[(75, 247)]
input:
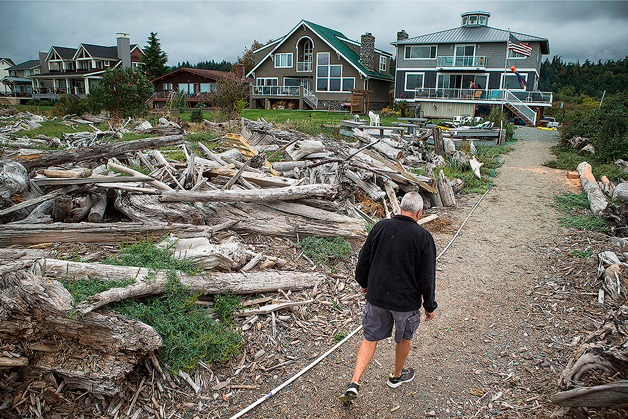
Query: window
[(167, 87), (329, 77), (266, 85), (283, 60), (473, 20), (513, 54), (414, 81), (483, 20), (382, 63), (291, 82), (511, 82), (420, 52)]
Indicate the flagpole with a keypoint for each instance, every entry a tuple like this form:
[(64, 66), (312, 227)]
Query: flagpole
[(505, 69)]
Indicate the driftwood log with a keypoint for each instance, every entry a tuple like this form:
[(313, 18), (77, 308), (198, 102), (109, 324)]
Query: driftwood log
[(445, 190), (150, 282), (290, 193), (57, 157), (597, 200), (613, 395), (149, 209), (27, 234), (93, 352)]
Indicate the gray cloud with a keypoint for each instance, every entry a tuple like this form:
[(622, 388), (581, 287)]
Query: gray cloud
[(204, 30)]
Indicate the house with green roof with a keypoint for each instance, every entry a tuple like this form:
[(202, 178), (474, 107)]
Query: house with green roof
[(470, 69), (314, 67)]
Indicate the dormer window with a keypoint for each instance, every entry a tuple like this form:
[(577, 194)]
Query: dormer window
[(473, 20)]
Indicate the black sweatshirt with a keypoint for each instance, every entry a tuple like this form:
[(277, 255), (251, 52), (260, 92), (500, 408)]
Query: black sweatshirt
[(398, 265)]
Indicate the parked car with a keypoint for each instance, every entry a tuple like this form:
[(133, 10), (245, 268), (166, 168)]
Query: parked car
[(548, 121)]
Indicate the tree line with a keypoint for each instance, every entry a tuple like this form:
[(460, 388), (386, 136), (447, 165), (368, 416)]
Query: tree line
[(571, 80)]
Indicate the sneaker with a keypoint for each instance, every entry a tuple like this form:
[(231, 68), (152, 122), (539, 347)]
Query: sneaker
[(407, 375), (351, 393)]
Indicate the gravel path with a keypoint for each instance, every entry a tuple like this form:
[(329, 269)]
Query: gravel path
[(483, 292)]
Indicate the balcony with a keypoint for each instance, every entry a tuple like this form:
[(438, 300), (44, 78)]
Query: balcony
[(304, 66), (485, 95), (465, 63), (276, 91)]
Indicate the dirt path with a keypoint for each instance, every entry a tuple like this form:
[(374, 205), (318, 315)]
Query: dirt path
[(484, 323)]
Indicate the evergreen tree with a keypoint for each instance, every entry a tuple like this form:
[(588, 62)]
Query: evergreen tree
[(154, 60), (121, 91), (248, 56)]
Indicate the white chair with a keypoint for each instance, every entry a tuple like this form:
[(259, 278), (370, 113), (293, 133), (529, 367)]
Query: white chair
[(374, 119)]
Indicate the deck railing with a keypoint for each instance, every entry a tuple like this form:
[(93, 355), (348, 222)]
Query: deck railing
[(483, 94), (451, 61), (304, 66), (276, 90)]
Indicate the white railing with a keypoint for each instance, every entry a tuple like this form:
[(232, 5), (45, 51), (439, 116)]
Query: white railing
[(310, 98), (483, 94), (275, 90), (304, 66), (451, 61), (521, 108)]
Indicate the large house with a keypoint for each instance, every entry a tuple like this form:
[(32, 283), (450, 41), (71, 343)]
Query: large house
[(73, 71), (470, 69), (5, 63), (314, 67), (18, 80), (197, 84)]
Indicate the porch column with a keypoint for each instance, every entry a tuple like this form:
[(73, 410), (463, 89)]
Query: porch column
[(86, 82)]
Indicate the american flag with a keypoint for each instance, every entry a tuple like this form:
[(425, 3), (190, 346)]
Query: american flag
[(519, 47)]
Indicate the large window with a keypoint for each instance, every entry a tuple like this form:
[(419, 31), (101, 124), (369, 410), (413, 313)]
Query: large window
[(511, 82), (329, 76), (513, 54), (414, 81), (283, 60), (420, 52), (382, 63)]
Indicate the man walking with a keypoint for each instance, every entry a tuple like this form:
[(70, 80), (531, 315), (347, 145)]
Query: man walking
[(397, 271)]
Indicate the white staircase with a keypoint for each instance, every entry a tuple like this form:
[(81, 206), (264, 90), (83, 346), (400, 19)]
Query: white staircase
[(519, 108)]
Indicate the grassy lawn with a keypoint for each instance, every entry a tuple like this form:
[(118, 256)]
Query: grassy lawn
[(569, 159)]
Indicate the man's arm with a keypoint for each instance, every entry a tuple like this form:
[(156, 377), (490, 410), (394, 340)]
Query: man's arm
[(427, 275), (364, 263)]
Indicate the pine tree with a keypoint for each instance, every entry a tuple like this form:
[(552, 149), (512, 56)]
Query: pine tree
[(154, 60)]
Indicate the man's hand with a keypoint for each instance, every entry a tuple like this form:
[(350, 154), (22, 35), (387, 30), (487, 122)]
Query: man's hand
[(364, 290), (429, 316)]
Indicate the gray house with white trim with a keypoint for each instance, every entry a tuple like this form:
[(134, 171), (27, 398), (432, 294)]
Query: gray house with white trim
[(467, 70)]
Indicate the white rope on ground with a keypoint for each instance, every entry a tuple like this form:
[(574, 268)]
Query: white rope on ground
[(339, 344)]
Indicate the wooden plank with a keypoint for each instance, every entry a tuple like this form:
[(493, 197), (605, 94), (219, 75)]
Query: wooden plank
[(47, 181)]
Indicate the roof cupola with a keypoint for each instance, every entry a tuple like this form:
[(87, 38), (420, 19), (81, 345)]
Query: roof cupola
[(474, 19)]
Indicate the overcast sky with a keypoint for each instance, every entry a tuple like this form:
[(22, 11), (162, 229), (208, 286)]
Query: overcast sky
[(220, 30)]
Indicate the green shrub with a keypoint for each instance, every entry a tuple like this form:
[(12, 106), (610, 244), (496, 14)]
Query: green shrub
[(496, 117), (325, 250), (123, 92), (577, 212), (402, 108), (146, 254), (231, 97), (71, 105), (196, 116)]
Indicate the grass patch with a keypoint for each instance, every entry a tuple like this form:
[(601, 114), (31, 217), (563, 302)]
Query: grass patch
[(339, 336), (55, 129), (577, 212), (147, 254), (325, 250), (568, 159), (489, 155), (82, 289), (586, 253)]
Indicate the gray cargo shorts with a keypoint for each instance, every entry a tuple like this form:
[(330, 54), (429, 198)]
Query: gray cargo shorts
[(378, 323)]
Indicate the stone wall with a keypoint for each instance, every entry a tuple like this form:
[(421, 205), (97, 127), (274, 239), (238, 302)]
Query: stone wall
[(367, 51)]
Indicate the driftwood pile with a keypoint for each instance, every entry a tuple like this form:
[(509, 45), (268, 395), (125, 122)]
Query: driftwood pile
[(596, 375), (92, 190), (607, 200)]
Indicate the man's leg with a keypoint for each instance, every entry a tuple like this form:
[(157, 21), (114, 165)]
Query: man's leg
[(365, 354), (402, 349)]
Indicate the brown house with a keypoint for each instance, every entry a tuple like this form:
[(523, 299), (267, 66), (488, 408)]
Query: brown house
[(315, 67), (196, 83)]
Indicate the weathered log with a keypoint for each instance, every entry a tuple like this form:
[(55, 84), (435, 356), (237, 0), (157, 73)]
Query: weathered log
[(381, 147), (392, 197), (597, 200), (81, 206), (267, 309), (52, 158), (371, 189), (68, 174), (613, 395), (43, 181), (256, 178), (14, 234), (41, 214), (149, 208), (290, 193), (150, 282), (439, 146), (417, 180), (300, 149), (115, 165), (35, 310), (620, 192), (13, 179), (97, 213), (287, 219), (445, 190), (230, 254)]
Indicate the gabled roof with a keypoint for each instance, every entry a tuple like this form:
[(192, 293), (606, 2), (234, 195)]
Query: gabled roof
[(207, 74), (26, 65), (8, 60), (99, 51), (465, 34), (64, 52), (338, 42)]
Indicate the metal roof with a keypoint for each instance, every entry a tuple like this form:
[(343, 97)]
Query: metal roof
[(26, 65), (465, 34)]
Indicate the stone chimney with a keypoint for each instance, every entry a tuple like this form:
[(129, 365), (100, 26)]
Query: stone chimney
[(43, 64), (238, 71), (124, 49), (402, 36), (367, 51)]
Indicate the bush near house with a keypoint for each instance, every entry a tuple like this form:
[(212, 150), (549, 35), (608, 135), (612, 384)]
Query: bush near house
[(123, 92)]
